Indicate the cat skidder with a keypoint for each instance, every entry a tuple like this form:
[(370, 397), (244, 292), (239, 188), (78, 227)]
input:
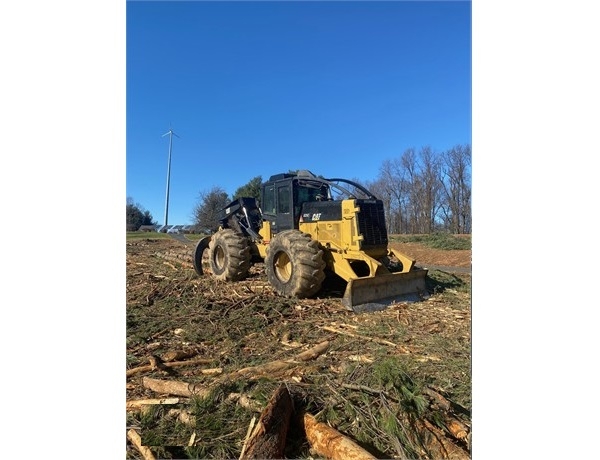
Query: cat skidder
[(306, 227)]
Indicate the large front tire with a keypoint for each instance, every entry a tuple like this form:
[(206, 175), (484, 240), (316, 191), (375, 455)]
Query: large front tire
[(294, 264), (229, 254)]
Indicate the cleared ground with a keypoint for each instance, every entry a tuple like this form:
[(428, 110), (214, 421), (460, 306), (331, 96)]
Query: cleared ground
[(398, 382)]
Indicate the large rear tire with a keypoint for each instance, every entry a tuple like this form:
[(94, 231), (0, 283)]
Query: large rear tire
[(199, 259), (294, 264), (229, 255)]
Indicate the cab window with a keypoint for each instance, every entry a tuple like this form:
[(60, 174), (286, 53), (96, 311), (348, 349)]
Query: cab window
[(269, 200), (283, 199)]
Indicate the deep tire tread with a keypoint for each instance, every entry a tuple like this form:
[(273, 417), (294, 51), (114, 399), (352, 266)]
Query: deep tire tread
[(236, 255), (308, 270)]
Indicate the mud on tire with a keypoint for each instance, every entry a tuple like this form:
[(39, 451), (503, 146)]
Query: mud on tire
[(294, 264), (229, 255)]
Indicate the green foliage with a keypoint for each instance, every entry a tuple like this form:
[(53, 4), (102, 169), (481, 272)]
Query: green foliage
[(251, 189), (444, 241), (379, 411), (390, 374), (207, 210), (137, 216), (439, 281), (217, 423), (131, 236), (156, 427)]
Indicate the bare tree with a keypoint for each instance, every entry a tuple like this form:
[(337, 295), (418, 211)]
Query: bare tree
[(380, 189), (412, 188), (430, 189), (457, 188), (425, 191), (394, 180), (207, 210)]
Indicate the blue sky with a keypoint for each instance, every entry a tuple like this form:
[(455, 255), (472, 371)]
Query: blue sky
[(258, 88)]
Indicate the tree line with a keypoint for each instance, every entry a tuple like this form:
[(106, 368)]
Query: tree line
[(136, 216), (426, 192), (423, 192)]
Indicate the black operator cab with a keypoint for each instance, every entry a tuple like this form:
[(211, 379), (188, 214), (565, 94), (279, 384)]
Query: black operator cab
[(282, 197)]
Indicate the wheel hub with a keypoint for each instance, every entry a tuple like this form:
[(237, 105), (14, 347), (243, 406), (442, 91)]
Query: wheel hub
[(283, 267)]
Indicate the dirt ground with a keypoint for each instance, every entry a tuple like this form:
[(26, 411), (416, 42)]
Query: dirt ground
[(426, 256), (386, 378)]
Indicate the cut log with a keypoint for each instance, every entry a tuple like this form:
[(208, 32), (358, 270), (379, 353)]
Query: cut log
[(174, 387), (437, 398), (149, 367), (183, 416), (314, 352), (157, 364), (398, 347), (330, 443), (137, 404), (179, 388), (458, 429), (275, 367), (178, 355), (438, 445), (248, 433), (268, 436), (136, 440), (212, 371), (245, 401)]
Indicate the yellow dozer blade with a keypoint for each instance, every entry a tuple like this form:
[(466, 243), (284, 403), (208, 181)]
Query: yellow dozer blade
[(372, 293)]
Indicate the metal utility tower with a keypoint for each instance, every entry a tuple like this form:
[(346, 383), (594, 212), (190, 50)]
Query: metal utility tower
[(171, 134)]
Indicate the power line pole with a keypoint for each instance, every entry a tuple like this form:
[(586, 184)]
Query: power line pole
[(171, 134)]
